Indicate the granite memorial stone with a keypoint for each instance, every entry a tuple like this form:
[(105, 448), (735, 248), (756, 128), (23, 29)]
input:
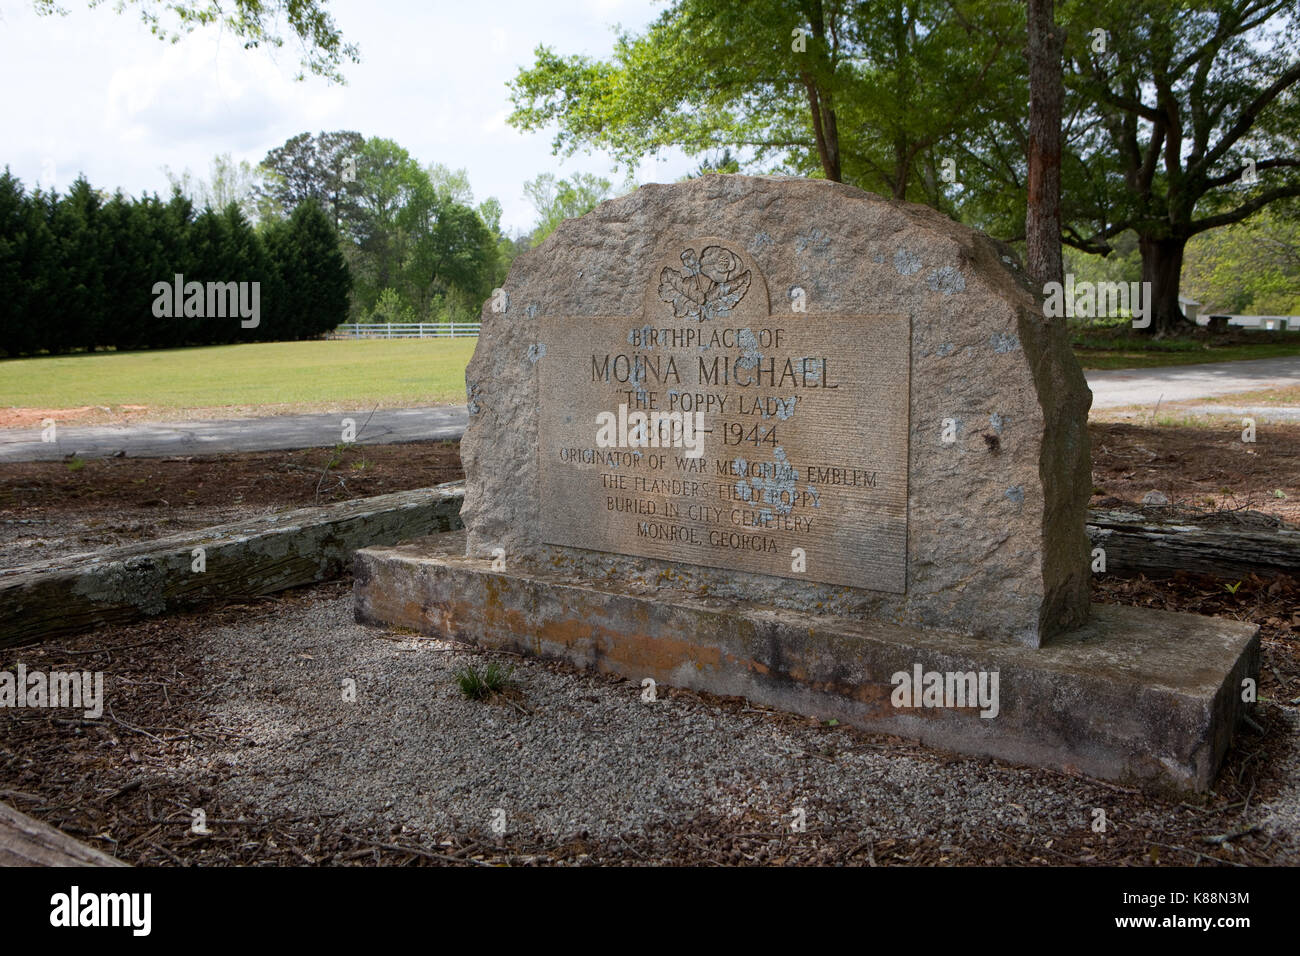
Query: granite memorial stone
[(786, 439)]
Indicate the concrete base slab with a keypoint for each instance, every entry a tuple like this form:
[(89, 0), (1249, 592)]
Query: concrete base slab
[(1138, 696)]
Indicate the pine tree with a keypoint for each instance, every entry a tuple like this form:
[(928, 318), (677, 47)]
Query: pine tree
[(315, 279)]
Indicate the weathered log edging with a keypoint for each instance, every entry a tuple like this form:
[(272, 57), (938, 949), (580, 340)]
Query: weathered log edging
[(264, 555)]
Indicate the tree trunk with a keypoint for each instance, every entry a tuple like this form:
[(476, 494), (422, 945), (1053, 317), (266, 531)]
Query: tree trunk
[(834, 173), (901, 166), (1046, 94), (825, 130), (1162, 264)]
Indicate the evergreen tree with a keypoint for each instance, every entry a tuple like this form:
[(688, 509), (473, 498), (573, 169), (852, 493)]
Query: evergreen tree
[(16, 334), (314, 280), (76, 307)]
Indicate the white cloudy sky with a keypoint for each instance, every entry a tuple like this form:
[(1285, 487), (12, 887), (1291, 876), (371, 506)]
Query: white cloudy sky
[(94, 92)]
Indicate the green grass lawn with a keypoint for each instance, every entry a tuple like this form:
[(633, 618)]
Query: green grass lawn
[(382, 371), (1193, 354), (388, 371), (1111, 344)]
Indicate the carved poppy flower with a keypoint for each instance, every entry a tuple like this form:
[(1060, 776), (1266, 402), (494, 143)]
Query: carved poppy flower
[(707, 287), (718, 263)]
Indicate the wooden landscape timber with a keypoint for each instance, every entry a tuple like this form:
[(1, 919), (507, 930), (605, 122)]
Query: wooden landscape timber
[(227, 562), (72, 594), (28, 842), (1135, 544)]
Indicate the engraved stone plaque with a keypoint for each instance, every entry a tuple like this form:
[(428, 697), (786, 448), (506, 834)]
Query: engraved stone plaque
[(714, 430)]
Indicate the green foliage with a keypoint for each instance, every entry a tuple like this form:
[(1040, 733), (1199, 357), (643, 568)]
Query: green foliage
[(75, 289), (314, 168), (494, 678), (229, 182), (315, 283), (722, 163), (451, 185), (389, 307), (1159, 126), (80, 272), (1252, 267), (1123, 264), (254, 22), (1161, 117), (408, 233), (871, 93), (489, 210), (559, 199)]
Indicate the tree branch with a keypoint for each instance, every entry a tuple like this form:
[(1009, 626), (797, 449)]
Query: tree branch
[(1244, 210), (1235, 175), (1246, 120)]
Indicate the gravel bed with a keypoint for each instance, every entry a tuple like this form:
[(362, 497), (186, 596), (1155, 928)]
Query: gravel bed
[(573, 755)]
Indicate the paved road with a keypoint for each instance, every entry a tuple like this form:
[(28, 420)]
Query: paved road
[(1265, 413), (161, 439), (1146, 386)]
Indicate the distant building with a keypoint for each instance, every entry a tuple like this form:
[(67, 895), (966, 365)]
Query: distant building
[(1263, 323)]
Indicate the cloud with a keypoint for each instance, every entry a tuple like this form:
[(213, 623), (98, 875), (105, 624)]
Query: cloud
[(94, 92), (496, 123), (199, 96)]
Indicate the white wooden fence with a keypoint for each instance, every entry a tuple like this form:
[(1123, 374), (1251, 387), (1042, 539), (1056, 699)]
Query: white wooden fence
[(1267, 323), (405, 330)]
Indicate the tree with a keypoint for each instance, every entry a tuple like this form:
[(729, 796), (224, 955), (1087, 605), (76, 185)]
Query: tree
[(866, 93), (146, 241), (389, 307), (451, 184), (559, 199), (28, 260), (254, 22), (229, 181), (411, 235), (1124, 264), (507, 247), (1191, 123), (250, 261), (1248, 267), (324, 169), (314, 283), (74, 306), (390, 184), (1046, 93), (451, 254), (724, 163), (212, 258)]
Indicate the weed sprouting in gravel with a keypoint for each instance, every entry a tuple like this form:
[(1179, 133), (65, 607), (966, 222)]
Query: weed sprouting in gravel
[(475, 684)]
